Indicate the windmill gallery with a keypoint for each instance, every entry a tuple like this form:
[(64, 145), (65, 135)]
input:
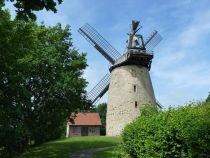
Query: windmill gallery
[(128, 83)]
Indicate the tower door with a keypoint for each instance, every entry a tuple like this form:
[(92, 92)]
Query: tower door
[(84, 131)]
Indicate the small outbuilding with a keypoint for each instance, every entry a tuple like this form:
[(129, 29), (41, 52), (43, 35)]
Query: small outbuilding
[(83, 124)]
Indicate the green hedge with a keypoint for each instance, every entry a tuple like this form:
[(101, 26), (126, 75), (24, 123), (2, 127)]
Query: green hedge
[(177, 133)]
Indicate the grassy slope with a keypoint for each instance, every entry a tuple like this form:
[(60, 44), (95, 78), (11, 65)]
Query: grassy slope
[(104, 154), (62, 148), (110, 153)]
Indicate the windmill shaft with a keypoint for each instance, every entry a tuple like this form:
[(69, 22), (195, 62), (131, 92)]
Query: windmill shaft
[(110, 59)]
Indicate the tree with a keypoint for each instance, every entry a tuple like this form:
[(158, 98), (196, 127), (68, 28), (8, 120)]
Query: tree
[(25, 8), (208, 98), (40, 82), (12, 132), (102, 109)]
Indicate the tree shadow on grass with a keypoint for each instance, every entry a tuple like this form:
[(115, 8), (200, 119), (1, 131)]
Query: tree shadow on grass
[(63, 148), (105, 153)]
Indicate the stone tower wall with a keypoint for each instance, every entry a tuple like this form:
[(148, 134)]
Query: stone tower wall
[(130, 87)]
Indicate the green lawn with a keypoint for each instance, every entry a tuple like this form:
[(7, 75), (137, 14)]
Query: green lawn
[(104, 154), (62, 148), (110, 153)]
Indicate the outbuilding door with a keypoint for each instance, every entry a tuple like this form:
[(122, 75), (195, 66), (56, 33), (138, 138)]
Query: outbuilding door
[(84, 131)]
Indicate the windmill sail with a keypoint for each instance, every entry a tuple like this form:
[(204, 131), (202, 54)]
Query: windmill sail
[(152, 41), (158, 104), (100, 89), (95, 39)]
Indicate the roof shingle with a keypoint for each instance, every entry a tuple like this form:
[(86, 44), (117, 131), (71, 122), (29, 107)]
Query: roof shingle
[(92, 119)]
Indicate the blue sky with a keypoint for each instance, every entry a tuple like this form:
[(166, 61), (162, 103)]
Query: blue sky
[(180, 70)]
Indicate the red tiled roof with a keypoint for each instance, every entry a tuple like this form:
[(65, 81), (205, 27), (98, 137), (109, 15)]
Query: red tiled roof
[(92, 119)]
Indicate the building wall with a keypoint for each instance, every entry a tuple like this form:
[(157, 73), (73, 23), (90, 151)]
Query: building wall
[(94, 131), (75, 131), (130, 88)]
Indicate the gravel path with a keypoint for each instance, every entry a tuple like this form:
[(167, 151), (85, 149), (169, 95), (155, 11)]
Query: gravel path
[(87, 153)]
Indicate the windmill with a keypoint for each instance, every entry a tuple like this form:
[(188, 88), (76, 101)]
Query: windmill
[(128, 82)]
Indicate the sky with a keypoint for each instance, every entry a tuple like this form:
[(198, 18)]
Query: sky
[(180, 70)]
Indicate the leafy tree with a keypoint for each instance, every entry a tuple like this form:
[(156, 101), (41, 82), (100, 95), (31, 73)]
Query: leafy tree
[(101, 109), (12, 131), (25, 8), (208, 98), (40, 82)]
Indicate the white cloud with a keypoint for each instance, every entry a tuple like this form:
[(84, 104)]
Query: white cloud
[(185, 72), (186, 75), (196, 31), (169, 60)]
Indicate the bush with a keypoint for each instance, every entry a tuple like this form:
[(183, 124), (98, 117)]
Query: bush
[(179, 132)]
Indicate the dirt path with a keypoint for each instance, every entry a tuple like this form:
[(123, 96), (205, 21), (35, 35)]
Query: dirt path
[(87, 153)]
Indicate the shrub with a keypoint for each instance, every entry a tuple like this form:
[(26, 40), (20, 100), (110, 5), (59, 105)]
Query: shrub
[(178, 132)]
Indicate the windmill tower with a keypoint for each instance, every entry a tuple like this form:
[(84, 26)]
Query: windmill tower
[(129, 83)]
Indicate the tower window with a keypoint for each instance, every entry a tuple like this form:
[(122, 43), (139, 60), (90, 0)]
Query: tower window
[(134, 88), (136, 104)]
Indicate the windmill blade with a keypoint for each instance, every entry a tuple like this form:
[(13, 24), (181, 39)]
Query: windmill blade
[(92, 36), (158, 104), (153, 41), (100, 89)]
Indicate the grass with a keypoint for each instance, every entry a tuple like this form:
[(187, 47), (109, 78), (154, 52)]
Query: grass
[(111, 153), (105, 153), (64, 147)]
